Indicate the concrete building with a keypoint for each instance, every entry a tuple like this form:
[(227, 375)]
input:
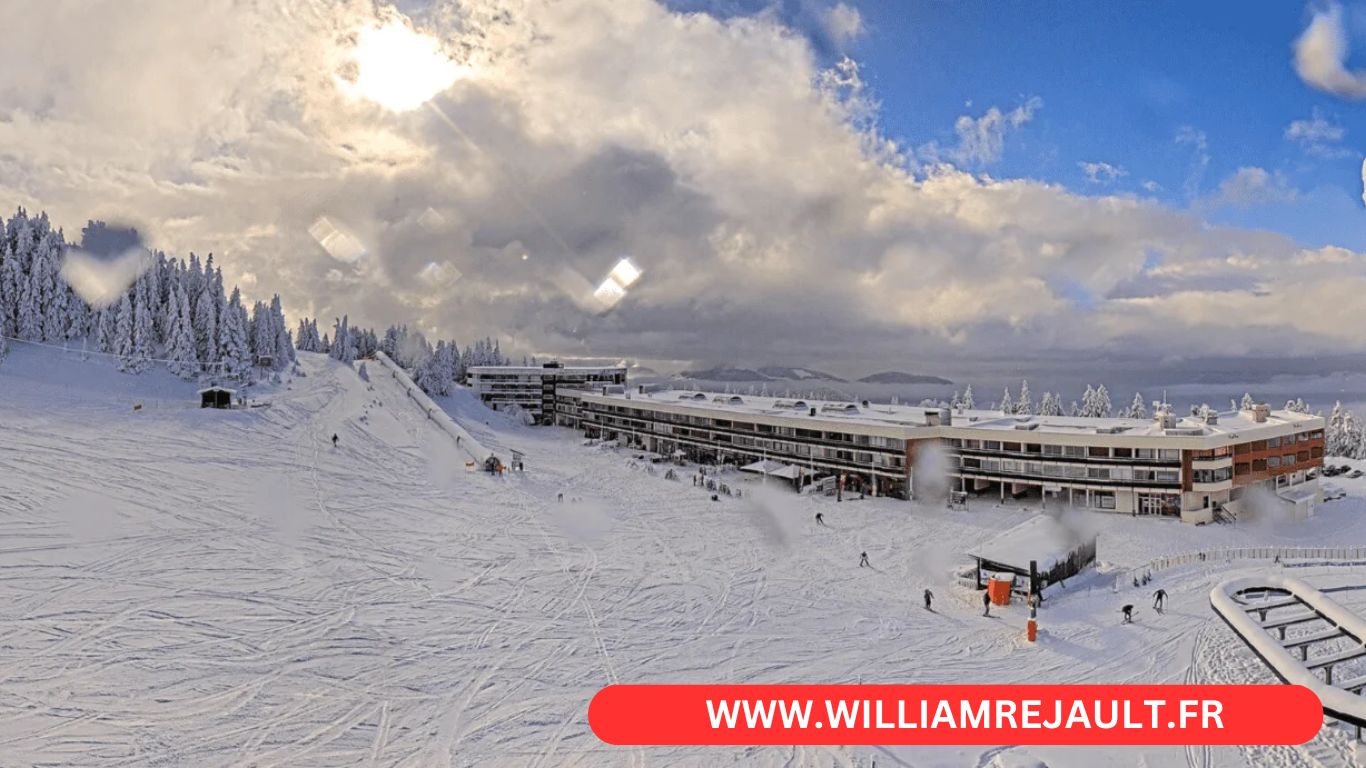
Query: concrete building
[(1194, 468), (532, 387)]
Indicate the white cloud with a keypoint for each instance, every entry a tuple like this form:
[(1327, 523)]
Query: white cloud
[(1199, 143), (1318, 135), (843, 23), (981, 140), (766, 215), (1249, 186), (1101, 173), (1321, 56), (1363, 181)]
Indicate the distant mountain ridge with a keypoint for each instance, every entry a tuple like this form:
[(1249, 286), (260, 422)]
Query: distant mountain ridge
[(771, 373), (798, 374), (767, 373), (901, 377)]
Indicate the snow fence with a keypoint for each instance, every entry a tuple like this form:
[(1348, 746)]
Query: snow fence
[(463, 438), (1328, 556)]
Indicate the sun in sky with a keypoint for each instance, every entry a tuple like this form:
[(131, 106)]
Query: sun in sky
[(400, 68)]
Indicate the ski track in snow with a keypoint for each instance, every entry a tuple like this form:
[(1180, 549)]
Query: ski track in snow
[(227, 588)]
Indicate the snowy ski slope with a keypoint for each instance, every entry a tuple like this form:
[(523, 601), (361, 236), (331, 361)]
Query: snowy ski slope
[(187, 587)]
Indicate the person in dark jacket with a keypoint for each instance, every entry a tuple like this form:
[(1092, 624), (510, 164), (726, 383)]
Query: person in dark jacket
[(1128, 614), (334, 439), (863, 561), (820, 519), (986, 603), (929, 598), (1159, 600)]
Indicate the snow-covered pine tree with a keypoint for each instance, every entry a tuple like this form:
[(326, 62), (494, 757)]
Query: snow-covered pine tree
[(1297, 405), (144, 337), (193, 282), (1138, 409), (234, 349), (967, 400), (32, 299), (343, 346), (284, 345), (1334, 443), (1351, 435), (1103, 407), (105, 339), (11, 280), (57, 313), (1007, 405), (123, 334), (206, 325), (1050, 405), (450, 362), (1025, 405), (1247, 402), (183, 359)]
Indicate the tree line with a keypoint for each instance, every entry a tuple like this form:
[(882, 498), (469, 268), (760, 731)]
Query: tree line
[(178, 313)]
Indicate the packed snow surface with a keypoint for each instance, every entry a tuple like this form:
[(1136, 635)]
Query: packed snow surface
[(206, 588)]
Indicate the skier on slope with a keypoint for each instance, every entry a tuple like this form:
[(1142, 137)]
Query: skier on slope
[(929, 598), (820, 519), (863, 561), (986, 603), (334, 439), (1128, 614), (1160, 600)]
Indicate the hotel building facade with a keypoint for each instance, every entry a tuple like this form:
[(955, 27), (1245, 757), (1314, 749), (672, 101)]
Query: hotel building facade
[(532, 388), (1188, 467)]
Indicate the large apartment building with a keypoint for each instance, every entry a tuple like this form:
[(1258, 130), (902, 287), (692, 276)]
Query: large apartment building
[(532, 388), (1191, 467)]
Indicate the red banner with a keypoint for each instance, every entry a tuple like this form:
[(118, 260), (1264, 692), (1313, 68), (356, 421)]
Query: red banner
[(955, 714)]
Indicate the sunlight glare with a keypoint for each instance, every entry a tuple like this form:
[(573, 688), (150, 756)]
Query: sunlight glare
[(400, 68)]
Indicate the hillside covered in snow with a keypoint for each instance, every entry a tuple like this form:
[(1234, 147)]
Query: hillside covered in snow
[(203, 587)]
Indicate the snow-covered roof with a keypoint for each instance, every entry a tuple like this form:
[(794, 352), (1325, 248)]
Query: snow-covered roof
[(1042, 538), (218, 389), (1297, 493), (541, 370), (964, 423), (776, 469)]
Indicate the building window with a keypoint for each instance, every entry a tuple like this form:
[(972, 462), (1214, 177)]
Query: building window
[(1103, 499)]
